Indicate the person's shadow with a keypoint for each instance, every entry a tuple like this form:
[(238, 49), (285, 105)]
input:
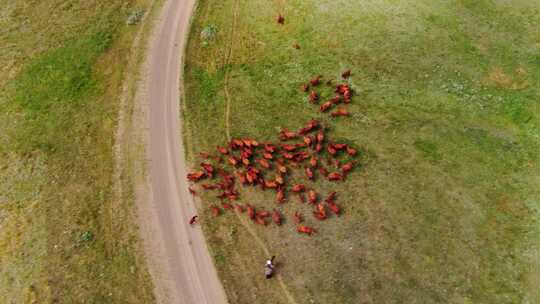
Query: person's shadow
[(277, 267)]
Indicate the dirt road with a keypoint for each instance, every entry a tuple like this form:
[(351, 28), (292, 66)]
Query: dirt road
[(180, 263)]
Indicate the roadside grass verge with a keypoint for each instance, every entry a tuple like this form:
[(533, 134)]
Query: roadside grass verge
[(445, 207), (64, 238)]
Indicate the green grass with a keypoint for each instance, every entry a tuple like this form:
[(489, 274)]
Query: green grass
[(445, 208), (65, 237), (57, 85)]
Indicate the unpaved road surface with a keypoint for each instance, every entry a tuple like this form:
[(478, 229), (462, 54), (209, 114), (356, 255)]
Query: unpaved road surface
[(183, 270)]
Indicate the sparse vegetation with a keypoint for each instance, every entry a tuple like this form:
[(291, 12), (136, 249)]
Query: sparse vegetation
[(135, 17), (208, 33), (445, 209)]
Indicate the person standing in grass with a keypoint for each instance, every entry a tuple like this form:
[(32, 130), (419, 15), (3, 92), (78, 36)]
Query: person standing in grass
[(269, 267)]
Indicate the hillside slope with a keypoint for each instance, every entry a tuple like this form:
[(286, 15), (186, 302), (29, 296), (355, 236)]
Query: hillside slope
[(66, 234), (444, 207)]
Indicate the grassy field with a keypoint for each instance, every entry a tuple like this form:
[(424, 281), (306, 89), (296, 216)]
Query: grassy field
[(65, 236), (445, 208)]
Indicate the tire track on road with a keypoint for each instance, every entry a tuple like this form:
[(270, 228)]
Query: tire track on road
[(228, 72)]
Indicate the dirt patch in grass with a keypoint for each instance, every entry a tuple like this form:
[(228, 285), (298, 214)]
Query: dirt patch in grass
[(500, 78), (518, 81)]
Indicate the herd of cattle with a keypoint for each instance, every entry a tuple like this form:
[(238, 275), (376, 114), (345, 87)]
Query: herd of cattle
[(269, 166)]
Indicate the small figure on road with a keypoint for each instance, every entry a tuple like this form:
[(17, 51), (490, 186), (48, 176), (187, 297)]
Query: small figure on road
[(193, 219)]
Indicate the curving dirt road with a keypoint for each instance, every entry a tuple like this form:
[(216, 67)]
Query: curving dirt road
[(181, 266)]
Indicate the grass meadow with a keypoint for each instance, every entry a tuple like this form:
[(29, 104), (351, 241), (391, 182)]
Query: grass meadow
[(64, 236), (445, 207)]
